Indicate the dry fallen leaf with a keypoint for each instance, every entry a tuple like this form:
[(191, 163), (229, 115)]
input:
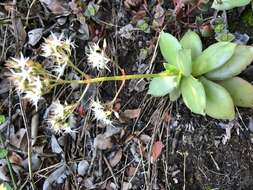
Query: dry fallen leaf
[(116, 158), (58, 7), (3, 172), (34, 36), (53, 177), (56, 148), (126, 186), (15, 158), (158, 17), (131, 171), (102, 142), (19, 31), (132, 114), (145, 138), (18, 140), (34, 127), (156, 150), (36, 162)]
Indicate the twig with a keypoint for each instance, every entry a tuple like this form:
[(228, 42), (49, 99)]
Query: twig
[(28, 13), (185, 156), (111, 171), (29, 152)]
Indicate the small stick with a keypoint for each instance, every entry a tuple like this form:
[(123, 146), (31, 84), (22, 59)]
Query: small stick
[(29, 151), (111, 171)]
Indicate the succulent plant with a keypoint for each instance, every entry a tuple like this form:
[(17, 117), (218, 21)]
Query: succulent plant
[(205, 78), (229, 4)]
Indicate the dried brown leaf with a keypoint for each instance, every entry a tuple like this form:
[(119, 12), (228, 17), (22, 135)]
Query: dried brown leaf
[(116, 158), (18, 140), (57, 7), (102, 142), (132, 114)]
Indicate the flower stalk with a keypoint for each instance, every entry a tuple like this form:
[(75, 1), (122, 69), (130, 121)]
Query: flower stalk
[(114, 78)]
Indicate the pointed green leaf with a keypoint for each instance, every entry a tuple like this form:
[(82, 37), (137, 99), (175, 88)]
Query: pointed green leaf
[(213, 57), (184, 61), (229, 4), (219, 103), (242, 57), (161, 86), (169, 46), (193, 94), (192, 41), (240, 90)]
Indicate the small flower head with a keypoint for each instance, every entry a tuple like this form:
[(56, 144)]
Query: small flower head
[(97, 58), (56, 46), (58, 115), (58, 49), (100, 113), (24, 74)]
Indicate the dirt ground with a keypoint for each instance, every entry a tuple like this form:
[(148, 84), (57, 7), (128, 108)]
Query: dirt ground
[(197, 152)]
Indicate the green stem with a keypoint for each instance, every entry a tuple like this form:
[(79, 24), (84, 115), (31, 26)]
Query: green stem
[(114, 78), (9, 166), (77, 69)]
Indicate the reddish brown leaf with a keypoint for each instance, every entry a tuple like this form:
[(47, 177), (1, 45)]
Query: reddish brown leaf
[(156, 151)]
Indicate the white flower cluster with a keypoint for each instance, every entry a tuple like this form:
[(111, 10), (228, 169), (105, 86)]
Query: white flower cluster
[(97, 58), (57, 117), (100, 113), (25, 78), (58, 49)]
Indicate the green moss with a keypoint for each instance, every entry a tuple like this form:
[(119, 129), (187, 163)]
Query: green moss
[(248, 17)]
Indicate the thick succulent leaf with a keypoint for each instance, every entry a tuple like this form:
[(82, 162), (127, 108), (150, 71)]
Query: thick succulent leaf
[(175, 94), (192, 41), (170, 68), (193, 94), (169, 46), (184, 61), (213, 57), (228, 4), (240, 90), (162, 86), (219, 103), (242, 57)]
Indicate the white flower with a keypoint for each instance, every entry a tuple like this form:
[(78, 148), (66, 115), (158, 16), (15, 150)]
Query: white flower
[(20, 67), (97, 58), (21, 62), (25, 79), (58, 49), (57, 117), (100, 114), (34, 93), (54, 46)]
